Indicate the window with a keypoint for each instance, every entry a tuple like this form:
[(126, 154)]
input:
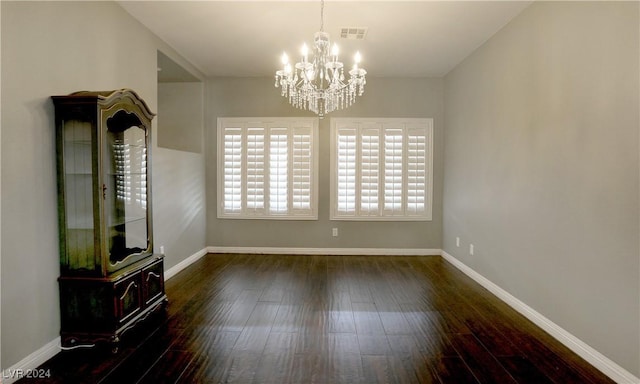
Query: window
[(267, 168), (381, 169)]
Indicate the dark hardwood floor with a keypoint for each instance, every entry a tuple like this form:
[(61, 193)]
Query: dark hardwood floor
[(328, 319)]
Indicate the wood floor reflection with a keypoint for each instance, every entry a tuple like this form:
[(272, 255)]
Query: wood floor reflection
[(328, 319)]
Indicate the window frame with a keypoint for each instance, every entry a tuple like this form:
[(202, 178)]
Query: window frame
[(267, 123), (359, 125)]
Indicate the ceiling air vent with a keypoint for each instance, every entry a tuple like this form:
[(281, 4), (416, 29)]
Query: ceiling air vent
[(353, 33)]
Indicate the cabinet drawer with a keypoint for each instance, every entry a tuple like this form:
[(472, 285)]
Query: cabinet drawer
[(153, 282), (128, 297)]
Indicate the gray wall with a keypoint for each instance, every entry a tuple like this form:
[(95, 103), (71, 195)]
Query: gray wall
[(384, 97), (179, 206), (542, 172), (86, 46), (181, 116)]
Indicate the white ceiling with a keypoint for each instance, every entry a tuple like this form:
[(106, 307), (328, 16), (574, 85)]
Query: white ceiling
[(247, 38)]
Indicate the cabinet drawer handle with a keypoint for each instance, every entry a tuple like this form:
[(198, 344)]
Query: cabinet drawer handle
[(152, 274), (133, 283)]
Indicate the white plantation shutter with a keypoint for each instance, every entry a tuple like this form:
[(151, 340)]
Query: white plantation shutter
[(370, 171), (346, 170), (255, 169), (232, 170), (267, 168), (416, 170), (278, 170), (302, 168), (393, 171), (381, 169)]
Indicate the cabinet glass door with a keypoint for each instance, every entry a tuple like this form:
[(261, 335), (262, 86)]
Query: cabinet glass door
[(78, 202), (125, 189)]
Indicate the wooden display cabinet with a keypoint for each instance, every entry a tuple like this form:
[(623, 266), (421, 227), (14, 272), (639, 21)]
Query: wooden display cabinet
[(110, 279)]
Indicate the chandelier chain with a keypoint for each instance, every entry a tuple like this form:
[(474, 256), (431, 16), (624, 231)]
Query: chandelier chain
[(321, 15)]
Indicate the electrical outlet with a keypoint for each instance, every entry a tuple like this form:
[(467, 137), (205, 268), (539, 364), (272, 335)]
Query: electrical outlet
[(162, 249), (458, 242), (334, 232), (471, 249)]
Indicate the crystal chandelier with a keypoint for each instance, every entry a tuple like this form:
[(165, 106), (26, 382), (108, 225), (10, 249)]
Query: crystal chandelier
[(319, 84)]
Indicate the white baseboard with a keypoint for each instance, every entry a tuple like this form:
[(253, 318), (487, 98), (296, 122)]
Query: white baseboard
[(595, 358), (31, 362), (327, 251), (169, 273)]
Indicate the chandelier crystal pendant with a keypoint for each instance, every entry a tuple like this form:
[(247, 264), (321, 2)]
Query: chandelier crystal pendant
[(319, 85)]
